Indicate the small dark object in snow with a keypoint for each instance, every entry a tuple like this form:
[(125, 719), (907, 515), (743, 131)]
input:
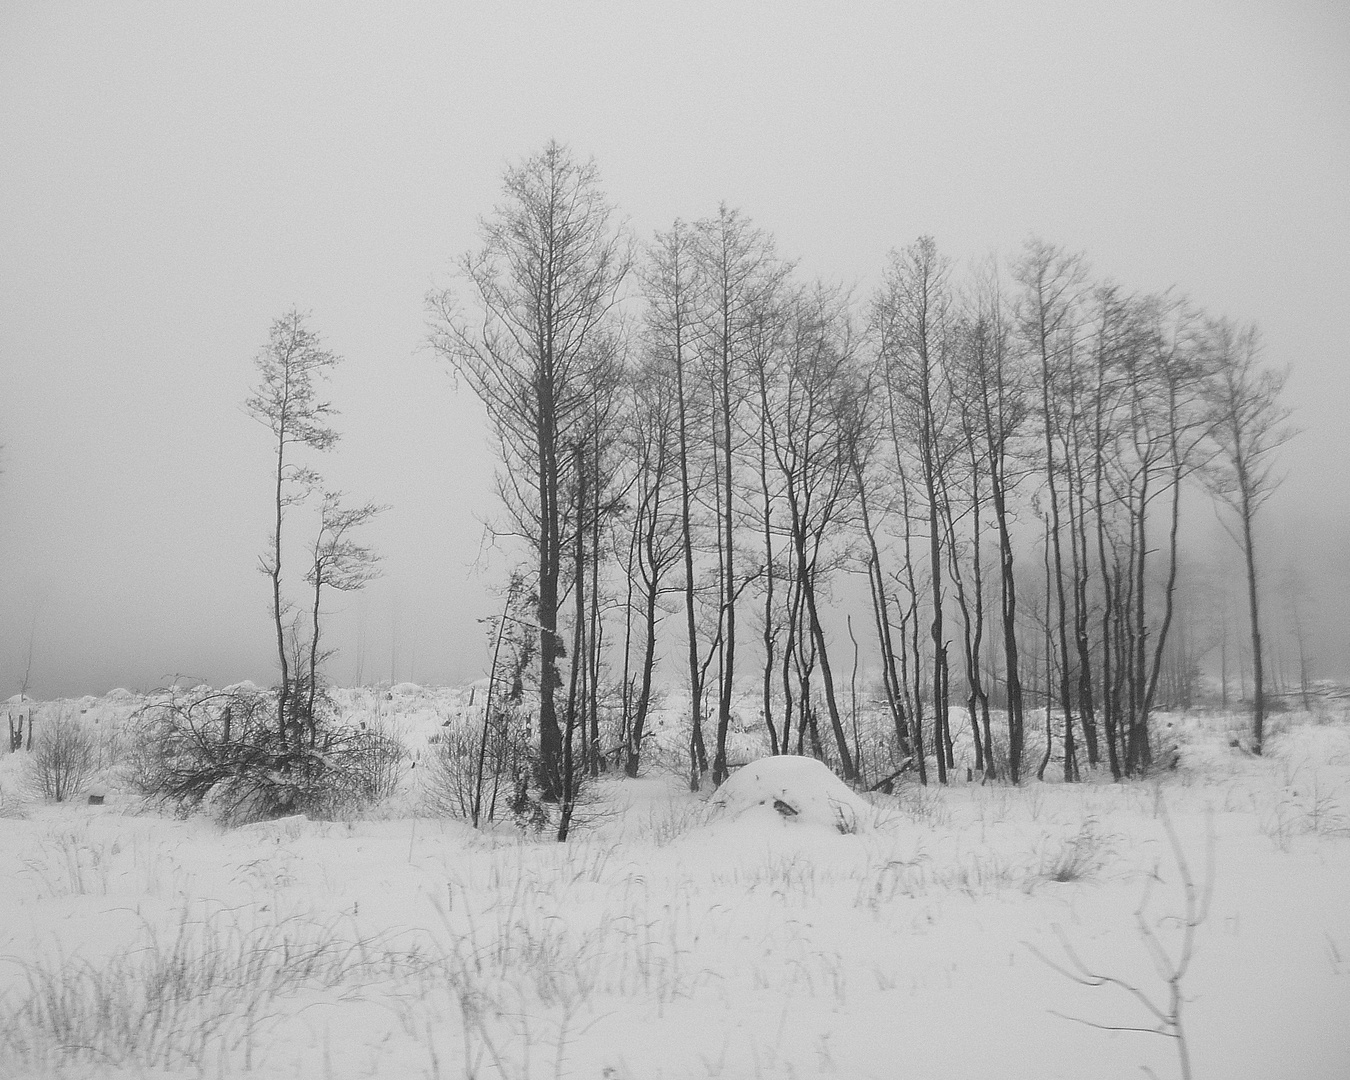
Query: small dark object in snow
[(783, 808), (95, 800)]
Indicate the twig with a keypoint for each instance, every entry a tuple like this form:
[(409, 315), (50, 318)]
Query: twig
[(1170, 968)]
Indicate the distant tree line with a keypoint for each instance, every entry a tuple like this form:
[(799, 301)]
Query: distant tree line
[(697, 443)]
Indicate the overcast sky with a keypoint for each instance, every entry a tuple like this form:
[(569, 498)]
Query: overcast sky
[(173, 176)]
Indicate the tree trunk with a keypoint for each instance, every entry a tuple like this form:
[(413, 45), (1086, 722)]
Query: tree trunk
[(283, 695), (1258, 668)]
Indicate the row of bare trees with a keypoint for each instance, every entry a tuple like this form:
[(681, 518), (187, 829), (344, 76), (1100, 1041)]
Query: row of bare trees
[(700, 448)]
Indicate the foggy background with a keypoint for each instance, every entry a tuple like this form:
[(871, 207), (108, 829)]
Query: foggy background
[(173, 177)]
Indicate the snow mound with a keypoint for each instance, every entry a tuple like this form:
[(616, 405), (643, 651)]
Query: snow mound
[(801, 789)]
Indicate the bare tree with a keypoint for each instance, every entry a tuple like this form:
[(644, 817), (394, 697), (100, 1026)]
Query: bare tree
[(545, 284), (589, 505), (912, 322), (1176, 373), (1051, 282), (286, 400), (739, 274), (654, 534), (994, 389), (1249, 424), (815, 418), (1113, 333), (340, 563), (768, 347), (670, 285), (1297, 595), (865, 464)]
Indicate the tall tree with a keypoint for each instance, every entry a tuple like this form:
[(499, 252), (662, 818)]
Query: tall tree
[(739, 274), (814, 421), (1249, 423), (286, 401), (545, 284), (650, 441), (912, 323), (995, 390), (1176, 370), (1114, 330), (1052, 281), (865, 463), (672, 332)]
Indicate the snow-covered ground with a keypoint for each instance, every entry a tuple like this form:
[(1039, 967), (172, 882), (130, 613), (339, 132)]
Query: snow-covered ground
[(675, 937)]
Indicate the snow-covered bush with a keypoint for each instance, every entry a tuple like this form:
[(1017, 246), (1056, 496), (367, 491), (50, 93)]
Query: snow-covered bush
[(65, 755)]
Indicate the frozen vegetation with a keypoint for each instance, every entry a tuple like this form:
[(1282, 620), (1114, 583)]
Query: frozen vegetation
[(786, 928)]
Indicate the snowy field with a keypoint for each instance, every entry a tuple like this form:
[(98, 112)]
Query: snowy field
[(676, 937)]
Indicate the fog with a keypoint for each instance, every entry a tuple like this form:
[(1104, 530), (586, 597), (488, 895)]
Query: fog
[(172, 177)]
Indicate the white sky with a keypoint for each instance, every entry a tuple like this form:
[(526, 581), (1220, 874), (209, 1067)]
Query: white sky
[(173, 176)]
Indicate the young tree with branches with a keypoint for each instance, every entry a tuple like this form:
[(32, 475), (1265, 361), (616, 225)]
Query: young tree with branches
[(340, 563), (286, 400)]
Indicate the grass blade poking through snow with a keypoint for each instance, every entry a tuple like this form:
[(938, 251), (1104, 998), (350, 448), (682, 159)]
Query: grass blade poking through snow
[(207, 985)]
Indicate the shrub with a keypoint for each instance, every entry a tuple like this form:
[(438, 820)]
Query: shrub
[(376, 764), (64, 757), (453, 778), (220, 751)]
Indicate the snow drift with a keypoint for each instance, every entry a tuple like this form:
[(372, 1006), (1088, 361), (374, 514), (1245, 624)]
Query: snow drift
[(801, 789)]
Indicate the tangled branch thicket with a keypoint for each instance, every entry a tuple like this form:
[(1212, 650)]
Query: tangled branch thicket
[(216, 750)]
